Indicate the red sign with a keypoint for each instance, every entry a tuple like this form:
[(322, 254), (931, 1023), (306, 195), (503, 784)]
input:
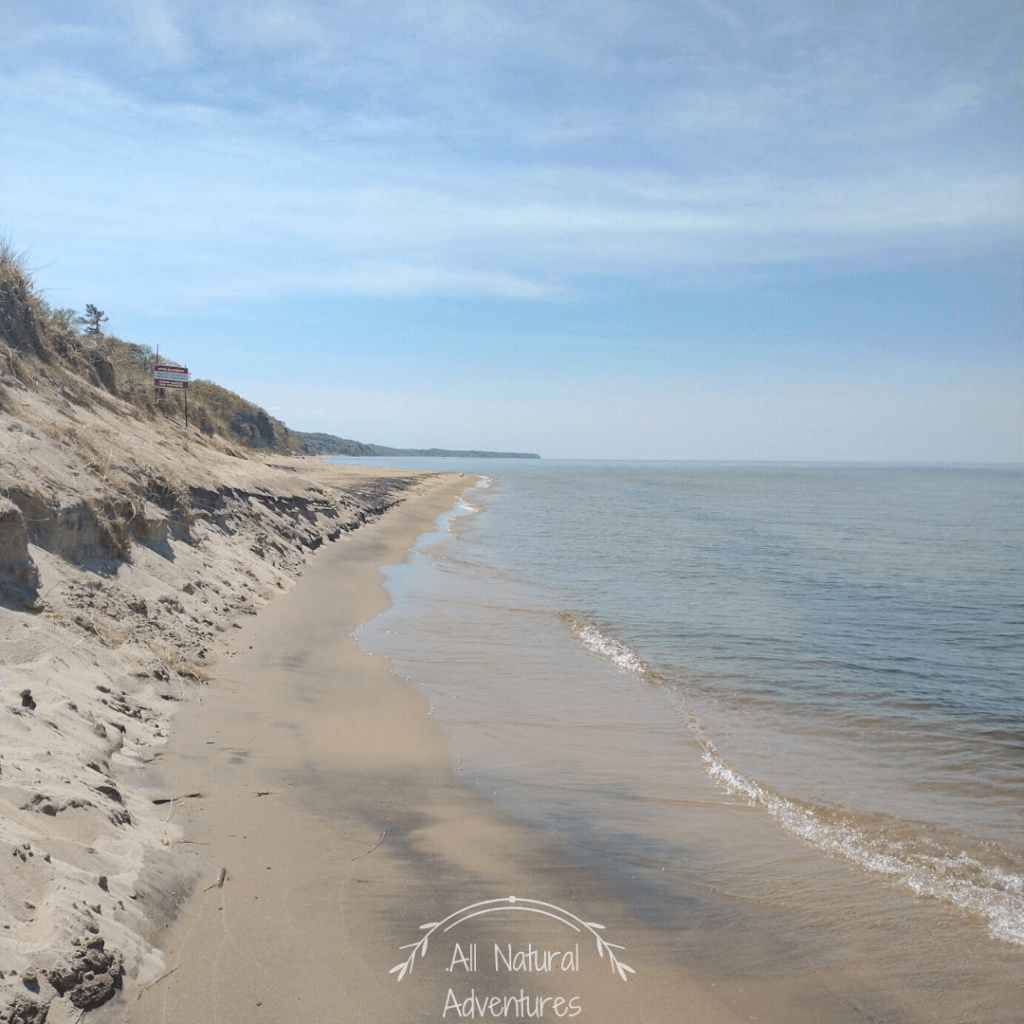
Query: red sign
[(170, 376)]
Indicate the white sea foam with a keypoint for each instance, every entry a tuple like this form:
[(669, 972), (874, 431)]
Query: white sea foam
[(614, 650), (961, 880), (463, 508)]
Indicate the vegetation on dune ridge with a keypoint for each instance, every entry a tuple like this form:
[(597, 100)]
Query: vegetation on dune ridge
[(329, 444), (36, 332)]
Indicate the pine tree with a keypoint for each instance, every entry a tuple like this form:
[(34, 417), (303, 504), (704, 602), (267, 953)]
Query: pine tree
[(92, 319)]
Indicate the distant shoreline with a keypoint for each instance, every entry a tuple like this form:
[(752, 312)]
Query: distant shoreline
[(329, 444)]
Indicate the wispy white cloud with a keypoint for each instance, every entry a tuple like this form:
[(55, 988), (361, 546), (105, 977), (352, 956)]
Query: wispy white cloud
[(154, 23), (378, 279), (198, 180)]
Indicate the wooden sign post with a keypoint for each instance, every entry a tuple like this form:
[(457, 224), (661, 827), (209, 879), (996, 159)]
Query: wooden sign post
[(173, 377)]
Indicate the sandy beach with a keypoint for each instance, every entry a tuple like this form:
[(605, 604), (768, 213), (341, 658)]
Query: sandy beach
[(329, 828), (216, 807), (100, 659)]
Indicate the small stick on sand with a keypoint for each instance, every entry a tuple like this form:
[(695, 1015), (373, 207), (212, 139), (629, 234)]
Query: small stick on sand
[(219, 884), (152, 983), (372, 848)]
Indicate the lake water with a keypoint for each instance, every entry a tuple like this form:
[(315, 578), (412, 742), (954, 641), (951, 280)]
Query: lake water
[(777, 706)]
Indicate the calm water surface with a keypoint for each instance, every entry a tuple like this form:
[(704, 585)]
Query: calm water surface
[(777, 706)]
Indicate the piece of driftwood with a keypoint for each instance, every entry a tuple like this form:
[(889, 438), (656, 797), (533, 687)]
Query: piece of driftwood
[(219, 884), (372, 848), (152, 983)]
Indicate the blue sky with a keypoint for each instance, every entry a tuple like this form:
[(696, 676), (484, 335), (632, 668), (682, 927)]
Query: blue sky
[(704, 230)]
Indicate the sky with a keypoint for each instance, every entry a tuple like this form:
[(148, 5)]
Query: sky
[(598, 229)]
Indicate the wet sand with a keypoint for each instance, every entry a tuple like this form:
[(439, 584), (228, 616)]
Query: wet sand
[(306, 751)]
